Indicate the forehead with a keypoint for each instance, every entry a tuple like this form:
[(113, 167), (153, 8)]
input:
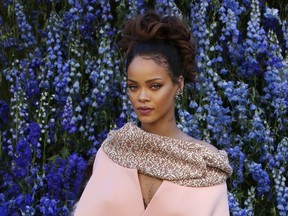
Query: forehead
[(146, 66)]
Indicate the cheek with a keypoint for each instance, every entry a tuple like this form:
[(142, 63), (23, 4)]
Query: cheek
[(166, 96), (131, 99)]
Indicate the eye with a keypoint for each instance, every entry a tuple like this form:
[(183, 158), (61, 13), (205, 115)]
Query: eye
[(132, 87), (155, 86)]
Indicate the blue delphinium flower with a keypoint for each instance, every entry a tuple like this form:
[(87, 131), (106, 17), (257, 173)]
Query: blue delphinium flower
[(32, 91), (75, 167), (168, 7), (281, 155), (54, 175), (261, 177), (19, 115), (126, 106), (59, 175), (93, 101), (281, 190), (199, 29), (48, 206), (22, 158), (25, 29), (255, 45), (231, 36), (73, 84), (76, 58), (259, 130), (135, 7), (234, 206), (23, 203), (276, 80), (97, 141), (218, 118), (102, 70), (237, 94), (88, 26), (249, 202), (4, 113), (272, 20), (5, 41), (67, 117), (3, 205), (267, 156), (228, 17), (189, 123), (55, 71), (33, 132), (285, 32), (279, 176), (237, 157), (233, 6), (44, 129)]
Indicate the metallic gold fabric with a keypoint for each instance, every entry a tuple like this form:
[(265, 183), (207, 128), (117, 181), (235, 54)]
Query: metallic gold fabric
[(182, 162)]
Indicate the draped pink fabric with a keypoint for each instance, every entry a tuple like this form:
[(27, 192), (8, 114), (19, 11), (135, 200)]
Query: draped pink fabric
[(115, 191)]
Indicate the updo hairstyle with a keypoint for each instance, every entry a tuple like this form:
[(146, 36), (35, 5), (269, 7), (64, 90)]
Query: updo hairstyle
[(166, 40)]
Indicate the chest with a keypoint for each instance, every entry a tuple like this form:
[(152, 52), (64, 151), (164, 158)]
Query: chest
[(149, 185)]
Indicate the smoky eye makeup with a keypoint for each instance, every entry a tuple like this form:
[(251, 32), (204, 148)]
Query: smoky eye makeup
[(155, 86), (131, 86)]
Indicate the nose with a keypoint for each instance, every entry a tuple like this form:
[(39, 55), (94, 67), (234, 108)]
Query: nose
[(143, 96)]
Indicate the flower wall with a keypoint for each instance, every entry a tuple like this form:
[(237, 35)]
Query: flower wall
[(62, 88)]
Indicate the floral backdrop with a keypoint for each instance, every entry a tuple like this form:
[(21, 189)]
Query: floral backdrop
[(62, 88)]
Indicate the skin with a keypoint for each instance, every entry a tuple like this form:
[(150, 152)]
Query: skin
[(150, 86)]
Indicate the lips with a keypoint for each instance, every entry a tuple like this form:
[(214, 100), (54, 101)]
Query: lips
[(144, 110)]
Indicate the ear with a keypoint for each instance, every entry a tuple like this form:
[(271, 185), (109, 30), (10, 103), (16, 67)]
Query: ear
[(181, 82)]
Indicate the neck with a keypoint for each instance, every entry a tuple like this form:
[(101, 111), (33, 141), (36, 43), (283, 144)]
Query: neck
[(169, 129)]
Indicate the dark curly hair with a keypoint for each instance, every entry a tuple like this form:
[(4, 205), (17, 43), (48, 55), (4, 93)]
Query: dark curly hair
[(167, 40)]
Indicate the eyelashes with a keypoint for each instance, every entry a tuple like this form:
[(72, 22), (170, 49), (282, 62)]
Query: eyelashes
[(155, 86), (134, 87)]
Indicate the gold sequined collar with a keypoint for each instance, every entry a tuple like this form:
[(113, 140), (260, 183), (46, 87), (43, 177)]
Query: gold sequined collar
[(182, 162)]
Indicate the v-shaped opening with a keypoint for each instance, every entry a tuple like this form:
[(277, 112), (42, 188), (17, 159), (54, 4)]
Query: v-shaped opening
[(149, 187)]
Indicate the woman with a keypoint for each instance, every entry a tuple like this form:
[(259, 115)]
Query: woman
[(156, 169)]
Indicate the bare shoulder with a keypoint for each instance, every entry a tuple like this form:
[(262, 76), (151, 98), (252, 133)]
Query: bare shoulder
[(208, 145)]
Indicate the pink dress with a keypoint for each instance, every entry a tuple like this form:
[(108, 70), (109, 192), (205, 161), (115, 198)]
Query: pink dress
[(114, 190)]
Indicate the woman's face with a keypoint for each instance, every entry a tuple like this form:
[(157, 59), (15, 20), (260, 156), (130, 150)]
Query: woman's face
[(151, 91)]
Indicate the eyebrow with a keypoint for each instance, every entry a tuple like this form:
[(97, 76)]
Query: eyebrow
[(147, 81)]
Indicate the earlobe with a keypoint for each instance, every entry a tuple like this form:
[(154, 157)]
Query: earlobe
[(181, 82)]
